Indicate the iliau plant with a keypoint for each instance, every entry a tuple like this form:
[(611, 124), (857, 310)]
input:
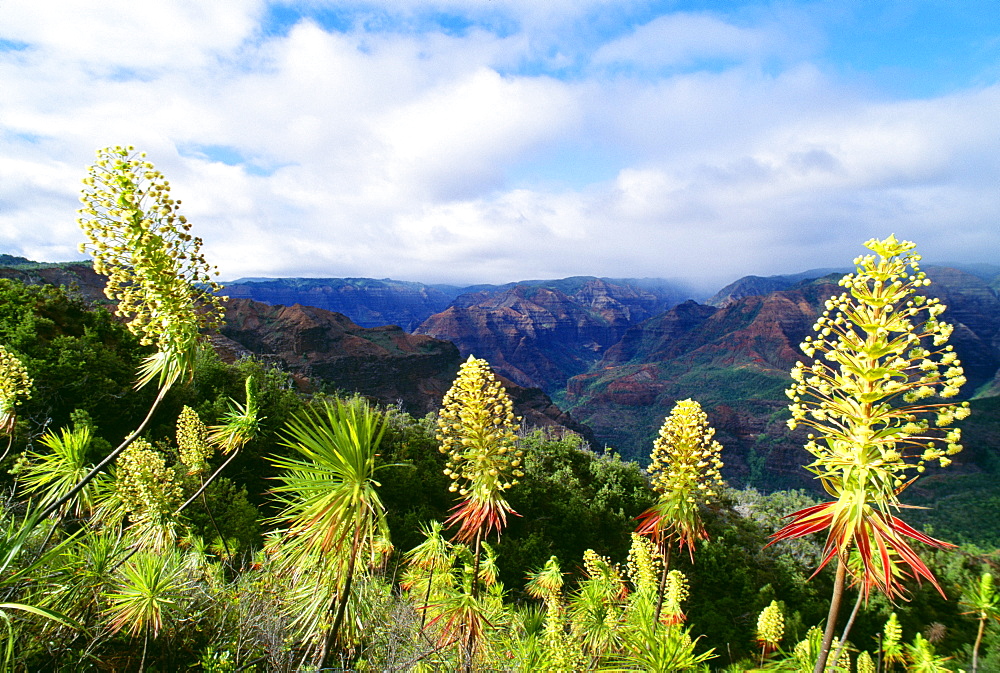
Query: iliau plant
[(53, 474), (156, 273), (333, 515), (146, 595), (148, 490), (685, 474), (157, 276), (982, 601), (477, 430), (770, 629), (881, 354)]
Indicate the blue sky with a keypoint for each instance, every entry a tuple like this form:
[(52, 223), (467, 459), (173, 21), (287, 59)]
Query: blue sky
[(495, 140)]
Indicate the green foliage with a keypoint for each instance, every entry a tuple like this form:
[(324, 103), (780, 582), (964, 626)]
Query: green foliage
[(570, 500), (333, 518), (147, 592), (53, 473), (79, 357)]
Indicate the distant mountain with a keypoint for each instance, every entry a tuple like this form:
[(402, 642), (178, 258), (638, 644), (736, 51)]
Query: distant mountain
[(384, 363), (751, 286), (541, 333), (14, 260), (370, 302), (735, 360), (367, 301)]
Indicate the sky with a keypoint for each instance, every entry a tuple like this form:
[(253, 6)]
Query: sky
[(487, 141)]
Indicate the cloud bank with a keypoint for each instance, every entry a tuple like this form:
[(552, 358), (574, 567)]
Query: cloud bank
[(494, 141)]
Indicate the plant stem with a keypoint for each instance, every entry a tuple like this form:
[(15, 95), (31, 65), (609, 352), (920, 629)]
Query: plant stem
[(331, 636), (847, 628), (470, 646), (663, 583), (207, 482), (831, 619), (975, 648), (427, 599), (225, 545)]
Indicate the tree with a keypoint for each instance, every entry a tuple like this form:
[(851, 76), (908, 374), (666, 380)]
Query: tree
[(883, 353)]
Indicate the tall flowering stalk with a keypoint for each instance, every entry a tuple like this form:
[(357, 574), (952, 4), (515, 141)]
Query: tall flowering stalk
[(156, 273), (770, 629), (685, 473), (477, 429), (884, 353)]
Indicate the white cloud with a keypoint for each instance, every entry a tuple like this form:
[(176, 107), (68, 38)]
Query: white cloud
[(683, 39), (392, 153)]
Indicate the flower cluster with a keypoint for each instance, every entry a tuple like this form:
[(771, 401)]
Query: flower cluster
[(685, 471), (15, 386), (685, 455), (477, 429), (599, 570), (675, 592), (864, 663), (147, 487), (770, 627), (892, 636), (192, 441), (883, 351), (643, 565), (156, 272)]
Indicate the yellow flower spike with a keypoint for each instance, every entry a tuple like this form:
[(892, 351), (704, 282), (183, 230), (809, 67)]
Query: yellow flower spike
[(869, 412), (165, 296), (770, 628), (477, 429), (192, 441), (685, 466), (15, 387)]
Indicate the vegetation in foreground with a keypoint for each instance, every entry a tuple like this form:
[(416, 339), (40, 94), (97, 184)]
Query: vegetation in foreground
[(213, 519)]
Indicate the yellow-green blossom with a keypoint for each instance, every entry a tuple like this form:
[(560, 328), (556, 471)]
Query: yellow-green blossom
[(477, 429), (15, 387), (156, 273), (685, 472), (192, 441)]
